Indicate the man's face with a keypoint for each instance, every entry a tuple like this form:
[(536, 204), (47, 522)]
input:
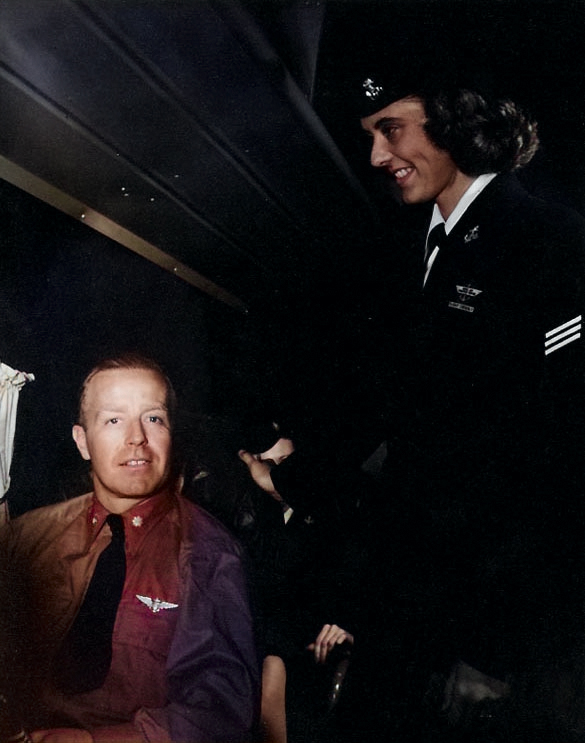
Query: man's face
[(126, 435), (400, 145)]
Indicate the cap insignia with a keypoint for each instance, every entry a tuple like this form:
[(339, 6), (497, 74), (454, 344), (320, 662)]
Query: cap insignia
[(371, 90)]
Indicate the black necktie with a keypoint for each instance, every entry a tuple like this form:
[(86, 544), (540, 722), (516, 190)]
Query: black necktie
[(437, 238), (85, 657)]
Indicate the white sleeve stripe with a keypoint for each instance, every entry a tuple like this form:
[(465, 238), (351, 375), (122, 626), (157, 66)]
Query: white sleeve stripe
[(562, 335), (562, 343), (562, 327)]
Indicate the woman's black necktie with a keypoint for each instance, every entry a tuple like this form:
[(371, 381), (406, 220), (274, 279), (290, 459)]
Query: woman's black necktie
[(86, 655), (437, 239)]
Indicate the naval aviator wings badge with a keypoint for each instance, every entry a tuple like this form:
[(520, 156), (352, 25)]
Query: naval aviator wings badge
[(156, 605), (466, 295)]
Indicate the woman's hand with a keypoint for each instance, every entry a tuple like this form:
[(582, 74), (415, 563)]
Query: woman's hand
[(330, 636), (260, 472)]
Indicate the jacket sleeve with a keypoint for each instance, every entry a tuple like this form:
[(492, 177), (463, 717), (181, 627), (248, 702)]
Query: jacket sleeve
[(213, 668), (556, 631), (560, 438), (563, 391)]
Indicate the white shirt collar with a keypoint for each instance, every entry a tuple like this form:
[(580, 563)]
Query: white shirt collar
[(463, 204)]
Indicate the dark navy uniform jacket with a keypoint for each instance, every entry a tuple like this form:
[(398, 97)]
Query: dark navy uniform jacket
[(485, 464)]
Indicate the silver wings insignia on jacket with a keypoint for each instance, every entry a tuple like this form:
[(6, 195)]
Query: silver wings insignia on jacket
[(156, 605)]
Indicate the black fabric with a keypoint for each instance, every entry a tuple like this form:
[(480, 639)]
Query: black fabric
[(437, 239), (478, 554), (260, 436), (86, 654), (477, 550)]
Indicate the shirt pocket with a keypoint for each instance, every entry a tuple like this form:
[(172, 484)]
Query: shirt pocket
[(147, 623)]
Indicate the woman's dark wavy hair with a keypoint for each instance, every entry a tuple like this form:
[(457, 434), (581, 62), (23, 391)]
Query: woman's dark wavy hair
[(481, 135)]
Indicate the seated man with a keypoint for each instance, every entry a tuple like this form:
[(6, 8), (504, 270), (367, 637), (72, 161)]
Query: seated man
[(178, 660)]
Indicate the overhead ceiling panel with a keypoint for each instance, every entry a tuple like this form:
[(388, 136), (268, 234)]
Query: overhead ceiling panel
[(179, 122)]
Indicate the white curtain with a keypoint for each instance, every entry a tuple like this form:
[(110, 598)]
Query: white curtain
[(11, 382)]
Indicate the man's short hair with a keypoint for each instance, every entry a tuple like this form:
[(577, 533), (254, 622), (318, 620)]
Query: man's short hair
[(482, 134), (130, 360)]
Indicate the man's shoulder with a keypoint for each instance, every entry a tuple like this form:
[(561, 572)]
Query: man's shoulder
[(62, 510), (207, 532), (45, 521)]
